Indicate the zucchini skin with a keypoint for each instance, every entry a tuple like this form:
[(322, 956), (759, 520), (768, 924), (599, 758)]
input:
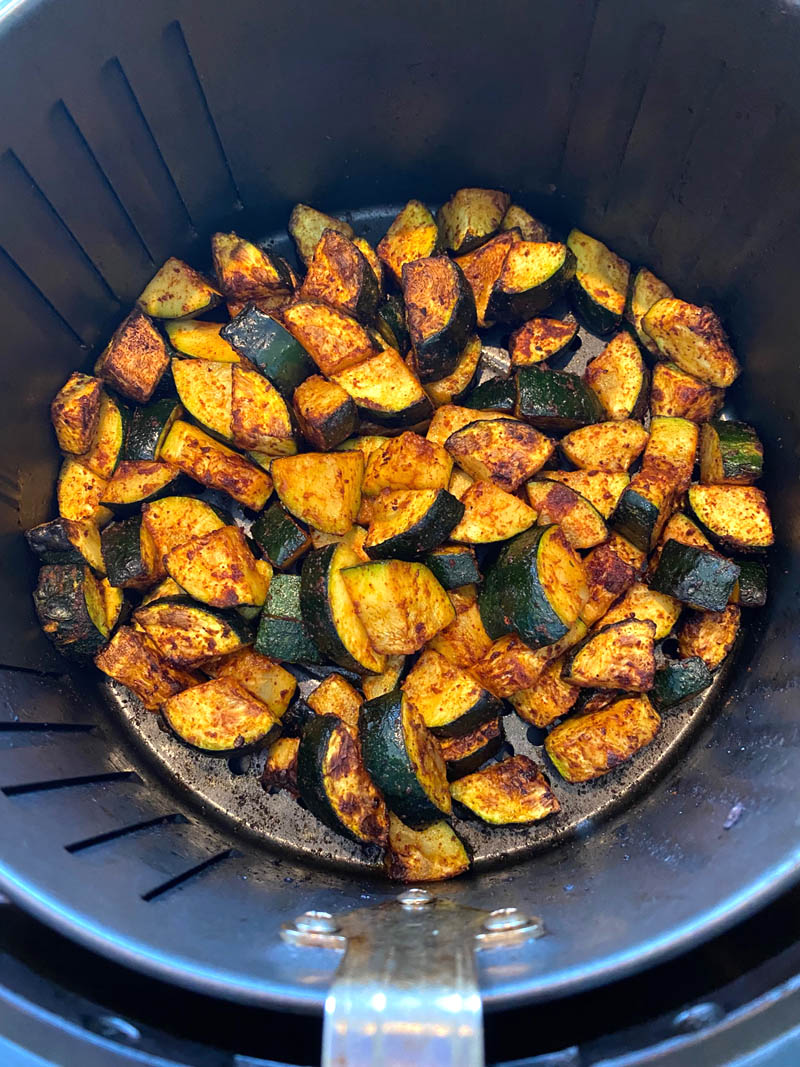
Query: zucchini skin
[(635, 518), (679, 681), (280, 536), (516, 307), (594, 316), (741, 456), (51, 543), (752, 583), (437, 354), (703, 580), (60, 603), (555, 400), (464, 755), (391, 322), (121, 543), (278, 356), (316, 609), (282, 633), (147, 427), (431, 530), (453, 569), (495, 394)]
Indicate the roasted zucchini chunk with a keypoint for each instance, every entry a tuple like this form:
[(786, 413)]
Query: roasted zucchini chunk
[(261, 676), (282, 632), (440, 313), (135, 358), (517, 218), (325, 412), (205, 390), (495, 394), (400, 604), (451, 417), (335, 785), (129, 554), (187, 633), (510, 665), (470, 217), (407, 523), (693, 338), (581, 522), (375, 685), (340, 275), (78, 493), (68, 541), (730, 453), (512, 791), (218, 569), (482, 268), (619, 379), (260, 419), (504, 450), (70, 607), (322, 489), (147, 429), (453, 565), (734, 516), (465, 754), (413, 235), (212, 464), (680, 528), (645, 291), (450, 701), (618, 656), (534, 276), (643, 508), (451, 389), (280, 767), (200, 340), (391, 322), (307, 225), (491, 514), (334, 340), (249, 274), (430, 855), (407, 462), (611, 569), (678, 681), (548, 698), (589, 746), (672, 448), (137, 482), (75, 412), (642, 602), (695, 576), (385, 390), (404, 759), (555, 400), (540, 339), (600, 285), (178, 291), (219, 716), (374, 261), (106, 449), (464, 641), (602, 489), (536, 588), (279, 357), (710, 635), (751, 589), (166, 587), (335, 696), (174, 520), (131, 658), (674, 392), (605, 446), (282, 540)]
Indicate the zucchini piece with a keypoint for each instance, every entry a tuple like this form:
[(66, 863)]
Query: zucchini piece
[(491, 514), (618, 656), (605, 446), (504, 450), (69, 606), (282, 540), (407, 462), (67, 541), (400, 604), (680, 528), (404, 759), (513, 791), (178, 291), (643, 508), (440, 313), (385, 390), (465, 754), (536, 588), (642, 602), (459, 483), (201, 340), (187, 633), (322, 489), (701, 579), (106, 450), (534, 275), (249, 274), (730, 453), (541, 339), (334, 340), (137, 482), (135, 358), (335, 696), (453, 566), (555, 400), (78, 493), (645, 291), (672, 449), (219, 569), (734, 516), (129, 554), (430, 855), (412, 235), (495, 394), (391, 322), (619, 378), (452, 388), (693, 338), (407, 523), (602, 489), (219, 716), (174, 520), (482, 268), (340, 275), (205, 390), (470, 217), (710, 635), (510, 665), (132, 659), (335, 785), (678, 681), (581, 522), (611, 569), (589, 746), (365, 445), (517, 218), (751, 589), (465, 640), (307, 225), (259, 675), (332, 617), (147, 429), (116, 606), (375, 685), (294, 721), (282, 632), (600, 285), (375, 265), (326, 414), (450, 701), (260, 419), (548, 698), (75, 412), (449, 418), (214, 465), (277, 355), (674, 392), (280, 768)]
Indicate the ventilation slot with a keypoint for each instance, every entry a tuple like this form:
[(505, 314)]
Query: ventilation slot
[(65, 783), (192, 872), (125, 831)]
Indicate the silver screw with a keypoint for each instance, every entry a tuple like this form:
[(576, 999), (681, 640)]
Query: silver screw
[(504, 919), (416, 898), (316, 922)]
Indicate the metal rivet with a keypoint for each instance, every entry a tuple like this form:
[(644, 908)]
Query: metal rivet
[(316, 922), (505, 919), (698, 1017), (416, 898), (112, 1027)]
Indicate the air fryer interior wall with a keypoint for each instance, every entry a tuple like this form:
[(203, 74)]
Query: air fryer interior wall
[(132, 133)]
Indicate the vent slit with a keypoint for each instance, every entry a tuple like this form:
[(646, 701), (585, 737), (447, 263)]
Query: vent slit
[(184, 876), (124, 831), (575, 92), (64, 783), (50, 306), (19, 726)]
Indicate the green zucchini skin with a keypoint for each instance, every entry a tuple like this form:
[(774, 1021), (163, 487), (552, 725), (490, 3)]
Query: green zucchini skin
[(147, 427), (495, 394), (554, 400), (230, 616), (316, 609), (263, 341), (427, 533), (635, 518), (282, 634), (391, 322), (740, 451), (516, 307), (180, 485), (436, 355), (704, 580), (121, 545), (512, 597), (752, 583), (410, 416), (295, 718), (60, 603), (679, 681), (51, 543), (453, 569), (594, 316), (314, 741), (280, 536), (383, 749), (466, 754)]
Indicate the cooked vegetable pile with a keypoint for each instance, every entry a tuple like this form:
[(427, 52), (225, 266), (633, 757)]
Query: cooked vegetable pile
[(440, 552)]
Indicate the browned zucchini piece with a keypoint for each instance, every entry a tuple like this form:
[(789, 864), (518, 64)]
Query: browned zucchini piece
[(505, 450), (641, 602), (429, 855), (321, 488), (512, 791), (611, 569), (408, 523), (605, 446), (534, 276), (136, 482), (619, 378), (174, 520), (79, 491), (413, 235), (385, 390), (581, 522), (161, 591), (451, 417), (219, 569), (730, 453), (460, 482), (205, 388), (548, 698), (601, 283), (482, 268), (259, 416), (709, 635), (601, 488), (465, 640), (219, 716), (645, 291), (249, 274), (539, 339), (325, 412), (491, 514), (672, 449), (735, 516), (261, 676), (674, 392), (280, 768), (619, 656), (307, 225), (214, 465), (680, 528), (510, 665), (440, 313), (376, 685), (67, 541), (131, 658), (449, 699), (340, 275), (692, 337), (187, 633), (456, 385), (470, 217), (106, 449), (517, 218), (335, 696), (465, 754), (407, 462), (75, 412), (644, 507), (200, 340), (589, 746), (178, 291), (135, 358), (333, 339), (372, 257)]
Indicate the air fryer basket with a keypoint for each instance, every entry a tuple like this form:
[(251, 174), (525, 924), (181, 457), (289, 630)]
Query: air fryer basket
[(133, 132)]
